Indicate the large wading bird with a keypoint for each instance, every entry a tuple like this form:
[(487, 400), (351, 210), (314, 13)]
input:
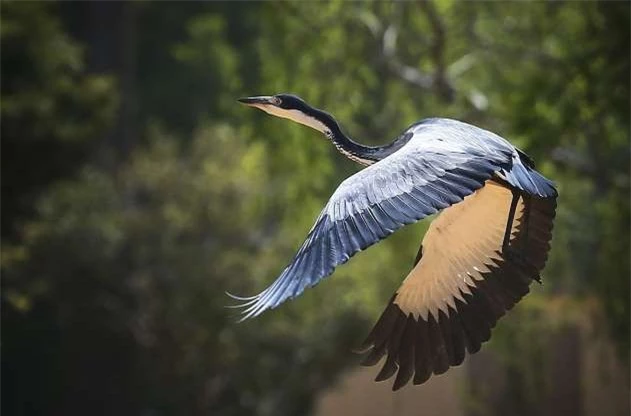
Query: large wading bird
[(477, 258)]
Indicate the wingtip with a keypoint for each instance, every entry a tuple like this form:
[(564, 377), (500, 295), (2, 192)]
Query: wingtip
[(397, 385), (362, 349), (250, 305), (243, 315), (388, 370), (235, 297), (240, 305)]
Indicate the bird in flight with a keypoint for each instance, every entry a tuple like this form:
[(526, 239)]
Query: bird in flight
[(477, 258)]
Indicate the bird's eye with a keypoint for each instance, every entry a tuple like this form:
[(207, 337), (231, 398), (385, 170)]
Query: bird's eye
[(276, 100)]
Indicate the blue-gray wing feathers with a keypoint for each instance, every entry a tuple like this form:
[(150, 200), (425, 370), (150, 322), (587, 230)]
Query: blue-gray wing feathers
[(424, 177), (440, 165)]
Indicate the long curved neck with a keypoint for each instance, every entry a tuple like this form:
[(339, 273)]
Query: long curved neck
[(365, 155)]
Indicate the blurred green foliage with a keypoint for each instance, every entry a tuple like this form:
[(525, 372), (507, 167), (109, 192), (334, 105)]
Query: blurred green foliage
[(114, 272), (50, 106)]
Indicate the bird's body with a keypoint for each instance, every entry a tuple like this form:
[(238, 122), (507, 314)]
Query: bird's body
[(477, 258)]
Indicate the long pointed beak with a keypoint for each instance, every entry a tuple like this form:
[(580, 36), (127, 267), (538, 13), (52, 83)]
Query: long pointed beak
[(260, 100)]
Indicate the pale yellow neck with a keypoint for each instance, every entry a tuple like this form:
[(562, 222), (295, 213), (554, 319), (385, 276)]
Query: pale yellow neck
[(295, 115)]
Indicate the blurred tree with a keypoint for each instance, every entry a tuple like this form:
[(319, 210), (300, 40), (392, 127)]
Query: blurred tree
[(134, 299), (51, 110)]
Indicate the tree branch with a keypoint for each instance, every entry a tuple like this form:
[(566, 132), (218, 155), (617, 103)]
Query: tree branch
[(387, 39), (444, 88)]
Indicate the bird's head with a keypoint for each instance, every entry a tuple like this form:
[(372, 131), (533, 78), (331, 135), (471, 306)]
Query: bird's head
[(290, 107)]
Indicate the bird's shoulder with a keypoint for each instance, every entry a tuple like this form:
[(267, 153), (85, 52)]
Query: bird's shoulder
[(453, 136), (449, 127)]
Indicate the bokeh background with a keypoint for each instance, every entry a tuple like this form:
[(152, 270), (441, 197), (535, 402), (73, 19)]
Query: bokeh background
[(136, 190)]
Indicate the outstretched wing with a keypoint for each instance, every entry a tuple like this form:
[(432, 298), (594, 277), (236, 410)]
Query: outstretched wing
[(427, 175), (462, 284)]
